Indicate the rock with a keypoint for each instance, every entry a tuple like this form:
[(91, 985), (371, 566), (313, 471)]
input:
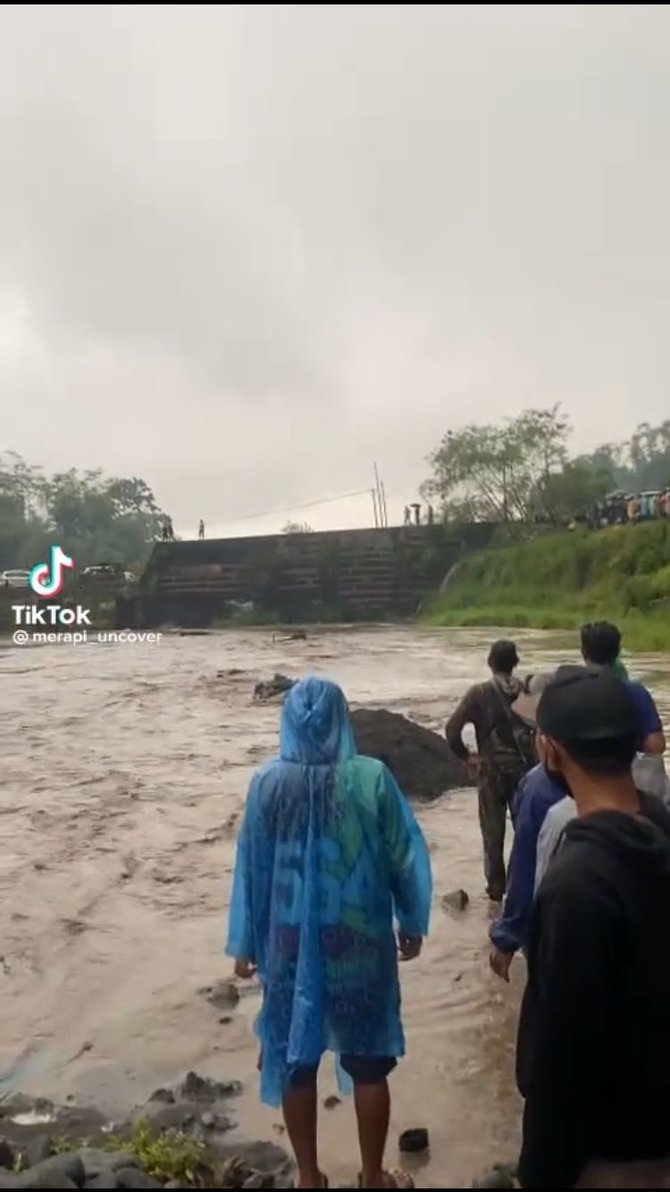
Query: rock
[(163, 1096), (101, 1163), (331, 1102), (134, 1177), (214, 1121), (455, 900), (36, 1148), (237, 1162), (412, 1142), (7, 1156), (199, 1088), (9, 1180), (498, 1178), (68, 1167), (224, 995), (420, 760), (271, 688), (34, 1178), (226, 1019), (104, 1180), (258, 1179)]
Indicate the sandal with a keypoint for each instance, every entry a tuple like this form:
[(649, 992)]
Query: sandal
[(393, 1179)]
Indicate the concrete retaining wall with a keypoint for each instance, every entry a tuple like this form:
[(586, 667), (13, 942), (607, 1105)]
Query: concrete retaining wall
[(345, 575)]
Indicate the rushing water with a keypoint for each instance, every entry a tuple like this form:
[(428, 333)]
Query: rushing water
[(124, 772)]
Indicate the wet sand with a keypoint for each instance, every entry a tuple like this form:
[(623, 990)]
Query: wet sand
[(125, 769)]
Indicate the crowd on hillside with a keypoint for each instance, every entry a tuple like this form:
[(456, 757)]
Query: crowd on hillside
[(620, 508)]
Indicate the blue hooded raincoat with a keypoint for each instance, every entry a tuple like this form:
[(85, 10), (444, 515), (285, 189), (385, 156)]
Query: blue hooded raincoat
[(328, 853)]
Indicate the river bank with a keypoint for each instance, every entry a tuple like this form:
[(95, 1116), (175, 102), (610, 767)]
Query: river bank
[(125, 771), (178, 1139), (558, 581)]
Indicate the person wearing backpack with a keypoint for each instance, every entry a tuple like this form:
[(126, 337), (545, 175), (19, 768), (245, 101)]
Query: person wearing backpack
[(505, 753)]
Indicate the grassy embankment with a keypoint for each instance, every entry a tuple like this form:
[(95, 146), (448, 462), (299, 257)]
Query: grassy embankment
[(558, 581)]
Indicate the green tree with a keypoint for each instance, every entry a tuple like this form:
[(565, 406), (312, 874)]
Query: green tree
[(94, 518), (497, 473), (573, 491)]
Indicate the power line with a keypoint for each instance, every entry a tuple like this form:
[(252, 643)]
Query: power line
[(358, 492)]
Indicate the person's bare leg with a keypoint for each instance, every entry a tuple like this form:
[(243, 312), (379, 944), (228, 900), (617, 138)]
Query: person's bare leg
[(299, 1106), (373, 1110)]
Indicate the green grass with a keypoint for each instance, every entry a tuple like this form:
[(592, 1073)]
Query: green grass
[(561, 580), (167, 1155), (163, 1154)]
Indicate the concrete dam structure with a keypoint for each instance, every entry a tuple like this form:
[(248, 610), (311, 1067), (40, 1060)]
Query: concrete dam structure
[(348, 575)]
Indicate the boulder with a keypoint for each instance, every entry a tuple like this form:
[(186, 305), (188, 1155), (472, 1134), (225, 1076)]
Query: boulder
[(7, 1156), (34, 1178), (420, 760), (60, 1171), (36, 1148), (134, 1177), (99, 1162)]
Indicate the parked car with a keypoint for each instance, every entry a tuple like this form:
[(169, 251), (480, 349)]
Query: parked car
[(15, 578), (108, 573), (102, 570)]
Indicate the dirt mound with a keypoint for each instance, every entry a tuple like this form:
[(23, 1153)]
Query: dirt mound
[(421, 761)]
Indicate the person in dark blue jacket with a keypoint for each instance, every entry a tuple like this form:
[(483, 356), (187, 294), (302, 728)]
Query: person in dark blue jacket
[(537, 793)]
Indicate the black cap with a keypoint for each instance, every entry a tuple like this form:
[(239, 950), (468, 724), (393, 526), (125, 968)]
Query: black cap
[(587, 704)]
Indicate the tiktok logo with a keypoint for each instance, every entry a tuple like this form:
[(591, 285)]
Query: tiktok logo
[(46, 579)]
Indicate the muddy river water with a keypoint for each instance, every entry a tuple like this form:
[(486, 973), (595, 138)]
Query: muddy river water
[(124, 769)]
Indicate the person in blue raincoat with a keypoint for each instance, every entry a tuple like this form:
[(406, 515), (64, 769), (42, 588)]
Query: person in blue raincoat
[(328, 856)]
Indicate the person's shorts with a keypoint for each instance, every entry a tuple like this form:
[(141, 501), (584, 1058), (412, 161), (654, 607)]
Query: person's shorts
[(363, 1069)]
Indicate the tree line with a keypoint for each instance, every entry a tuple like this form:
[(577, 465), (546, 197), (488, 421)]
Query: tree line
[(522, 472), (94, 517)]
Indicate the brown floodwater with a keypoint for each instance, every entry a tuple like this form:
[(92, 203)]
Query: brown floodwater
[(124, 772)]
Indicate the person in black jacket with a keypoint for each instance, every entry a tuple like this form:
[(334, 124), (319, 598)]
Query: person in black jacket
[(593, 1053)]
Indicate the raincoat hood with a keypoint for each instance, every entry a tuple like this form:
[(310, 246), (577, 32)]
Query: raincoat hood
[(315, 727)]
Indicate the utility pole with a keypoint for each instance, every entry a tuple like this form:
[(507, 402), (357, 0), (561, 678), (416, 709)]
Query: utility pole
[(383, 520), (374, 507), (386, 516)]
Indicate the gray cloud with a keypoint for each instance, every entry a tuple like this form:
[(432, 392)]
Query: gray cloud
[(244, 250)]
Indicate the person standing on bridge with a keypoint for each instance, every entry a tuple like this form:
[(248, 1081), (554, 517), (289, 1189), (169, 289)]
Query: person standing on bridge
[(201, 530), (506, 752), (329, 854)]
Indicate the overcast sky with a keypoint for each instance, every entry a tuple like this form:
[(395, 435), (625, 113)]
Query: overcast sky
[(247, 250)]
